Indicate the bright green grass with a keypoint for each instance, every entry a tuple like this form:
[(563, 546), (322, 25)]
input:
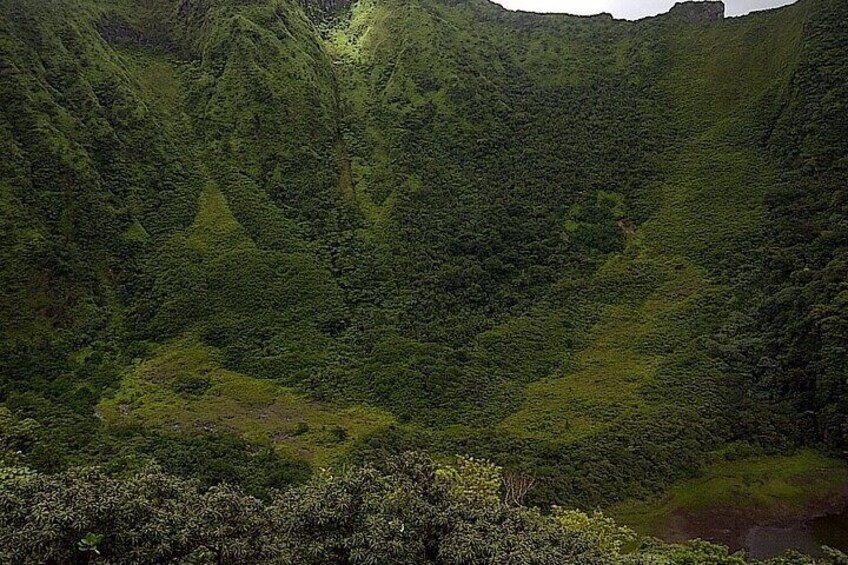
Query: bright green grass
[(150, 396), (215, 228), (764, 486), (624, 351)]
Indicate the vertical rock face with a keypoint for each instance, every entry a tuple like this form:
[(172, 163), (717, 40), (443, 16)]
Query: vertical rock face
[(708, 11)]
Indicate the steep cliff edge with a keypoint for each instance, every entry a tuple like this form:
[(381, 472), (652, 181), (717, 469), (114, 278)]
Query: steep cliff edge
[(706, 11)]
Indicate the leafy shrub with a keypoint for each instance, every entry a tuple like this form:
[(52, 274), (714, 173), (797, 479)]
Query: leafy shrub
[(409, 510)]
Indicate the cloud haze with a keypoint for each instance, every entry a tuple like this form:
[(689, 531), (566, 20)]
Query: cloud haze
[(630, 9)]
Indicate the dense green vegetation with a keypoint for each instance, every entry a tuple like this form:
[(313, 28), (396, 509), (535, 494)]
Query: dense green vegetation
[(409, 510), (251, 239)]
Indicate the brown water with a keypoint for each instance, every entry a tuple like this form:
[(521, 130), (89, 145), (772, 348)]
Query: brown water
[(762, 542)]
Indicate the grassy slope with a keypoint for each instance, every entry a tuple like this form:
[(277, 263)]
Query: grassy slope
[(680, 261), (648, 350), (219, 269), (654, 307), (140, 134), (760, 490), (183, 387)]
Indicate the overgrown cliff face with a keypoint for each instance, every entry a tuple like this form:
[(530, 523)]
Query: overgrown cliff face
[(706, 11), (535, 238)]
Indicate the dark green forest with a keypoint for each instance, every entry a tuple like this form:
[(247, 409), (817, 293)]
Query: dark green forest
[(246, 241)]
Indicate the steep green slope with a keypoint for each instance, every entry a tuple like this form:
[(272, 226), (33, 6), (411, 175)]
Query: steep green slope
[(796, 332), (673, 286), (90, 181), (558, 242), (631, 382), (232, 267)]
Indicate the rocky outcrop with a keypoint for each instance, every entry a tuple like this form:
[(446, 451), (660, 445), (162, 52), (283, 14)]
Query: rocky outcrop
[(707, 11)]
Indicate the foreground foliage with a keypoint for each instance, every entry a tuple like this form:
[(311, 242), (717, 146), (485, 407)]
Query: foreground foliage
[(409, 510)]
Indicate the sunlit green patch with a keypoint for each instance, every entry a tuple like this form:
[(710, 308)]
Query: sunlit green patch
[(184, 388)]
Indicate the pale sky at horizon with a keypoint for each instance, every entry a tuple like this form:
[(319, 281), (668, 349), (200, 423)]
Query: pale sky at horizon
[(630, 9)]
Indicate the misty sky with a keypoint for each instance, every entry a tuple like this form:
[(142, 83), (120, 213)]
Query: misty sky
[(630, 9)]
